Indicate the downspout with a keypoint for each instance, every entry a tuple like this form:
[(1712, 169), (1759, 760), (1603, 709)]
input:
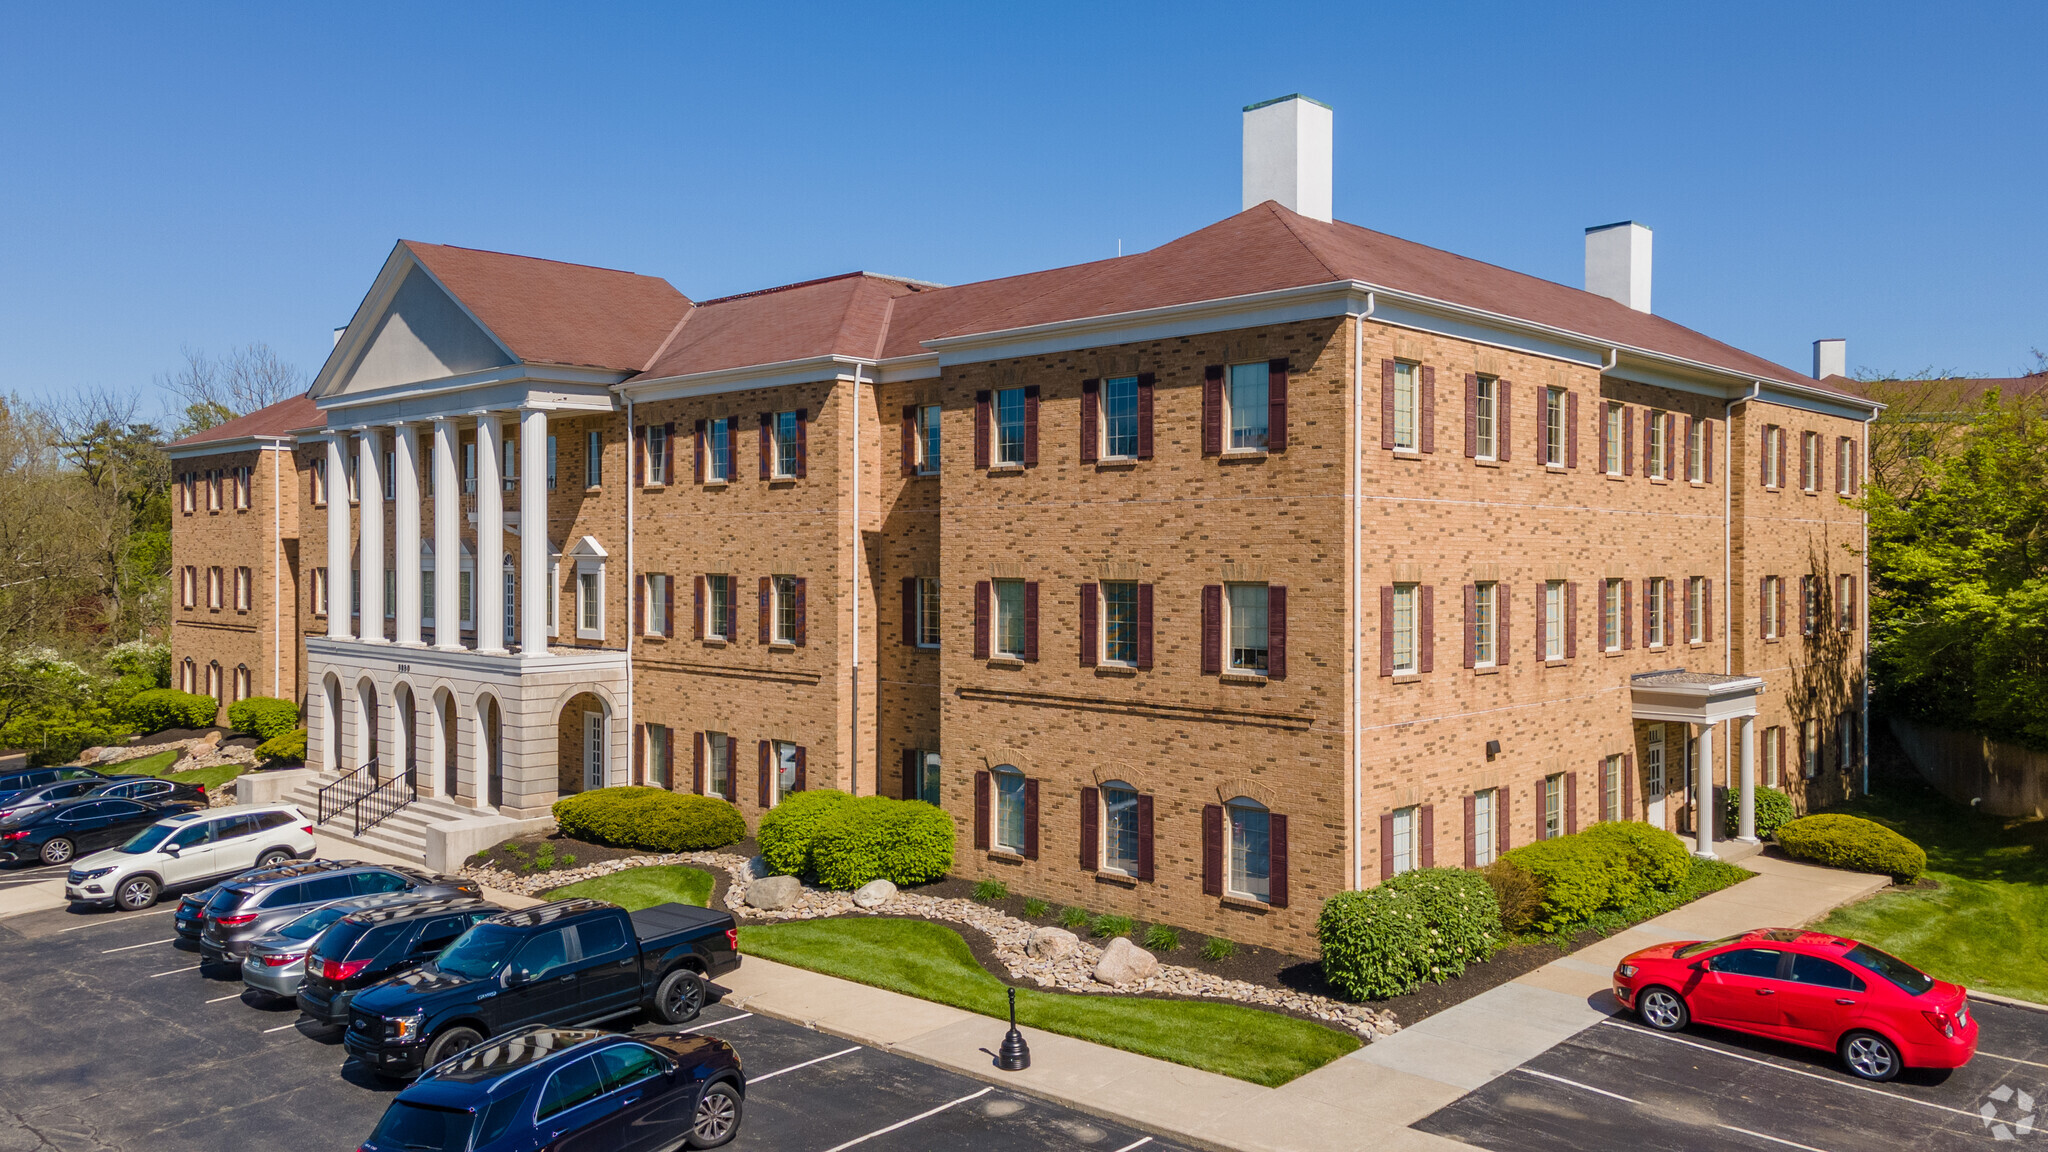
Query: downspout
[(277, 574), (631, 577), (853, 705), (1756, 388), (1353, 497), (1862, 470)]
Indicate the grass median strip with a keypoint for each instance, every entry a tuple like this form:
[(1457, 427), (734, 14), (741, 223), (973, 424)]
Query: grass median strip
[(637, 888), (933, 962)]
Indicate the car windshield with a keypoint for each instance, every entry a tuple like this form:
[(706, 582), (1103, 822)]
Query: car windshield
[(147, 839), (1692, 950), (1892, 968), (423, 1127), (478, 952), (308, 926)]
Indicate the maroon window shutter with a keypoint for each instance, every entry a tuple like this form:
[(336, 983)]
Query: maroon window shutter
[(639, 753), (1472, 829), (907, 786), (1503, 407), (802, 765), (699, 446), (668, 758), (1386, 629), (981, 428), (1031, 425), (1429, 835), (1276, 406), (1144, 625), (1090, 418), (1628, 614), (1089, 625), (802, 612), (1386, 403), (1707, 610), (981, 782), (1471, 415), (910, 439), (1571, 429), (1503, 800), (1031, 620), (732, 610), (1386, 845), (803, 442), (1212, 629), (1276, 632), (1502, 597), (1601, 437), (1212, 849), (1471, 625), (1542, 623), (765, 782), (767, 603), (1763, 606), (1212, 410), (1571, 803), (1683, 456), (1144, 836), (668, 607), (910, 611), (640, 456), (1091, 827), (697, 763), (1276, 861), (1628, 786), (640, 606), (1628, 446), (1031, 819), (1145, 385), (1781, 748), (1427, 415), (981, 595), (767, 447), (1571, 620), (1425, 628), (697, 620)]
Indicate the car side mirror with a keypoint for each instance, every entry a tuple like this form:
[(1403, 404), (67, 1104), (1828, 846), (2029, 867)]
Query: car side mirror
[(171, 849), (518, 977)]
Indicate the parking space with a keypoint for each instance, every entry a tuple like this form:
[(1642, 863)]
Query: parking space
[(118, 1040), (1618, 1085)]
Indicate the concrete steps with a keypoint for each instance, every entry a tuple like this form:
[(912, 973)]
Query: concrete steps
[(402, 834)]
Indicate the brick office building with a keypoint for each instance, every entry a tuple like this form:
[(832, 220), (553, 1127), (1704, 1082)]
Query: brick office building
[(1197, 584)]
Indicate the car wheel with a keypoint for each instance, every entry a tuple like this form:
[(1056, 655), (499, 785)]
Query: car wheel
[(680, 998), (276, 857), (1662, 1009), (450, 1042), (57, 851), (1870, 1056), (136, 893), (717, 1118)]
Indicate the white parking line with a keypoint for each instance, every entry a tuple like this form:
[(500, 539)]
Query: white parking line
[(912, 1120), (1640, 1104), (1774, 1139), (805, 1064), (218, 999), (175, 971), (1777, 1067), (2014, 1059), (121, 920), (716, 1023), (1139, 1144), (126, 947), (281, 1027)]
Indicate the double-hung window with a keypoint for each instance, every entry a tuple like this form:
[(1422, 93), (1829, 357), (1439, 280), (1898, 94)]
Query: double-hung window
[(319, 591), (1485, 826), (1010, 619), (593, 458), (391, 476), (1120, 418), (1656, 611), (1768, 610), (1845, 603), (1407, 406), (1485, 618), (1845, 741), (213, 583), (1009, 814), (1554, 431), (658, 757), (1656, 453), (1610, 788), (1771, 738), (717, 605), (718, 450), (927, 612), (509, 474), (317, 475), (589, 601), (657, 604), (1246, 399), (718, 763), (926, 442), (1009, 420), (1486, 418), (1610, 615), (1120, 828), (1247, 627), (242, 582), (786, 782), (1809, 461), (1553, 620), (1401, 852), (1696, 451), (1696, 609), (469, 466), (1845, 464), (785, 610), (785, 461), (242, 487), (657, 454), (1405, 627), (1774, 456), (1553, 806), (1120, 623), (1251, 828), (1809, 605), (1617, 427), (1809, 747), (551, 469)]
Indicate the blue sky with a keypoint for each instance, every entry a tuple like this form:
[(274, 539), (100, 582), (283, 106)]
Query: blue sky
[(206, 176)]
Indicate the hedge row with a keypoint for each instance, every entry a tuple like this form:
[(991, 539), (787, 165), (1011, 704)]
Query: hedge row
[(1852, 842), (1609, 865), (844, 842), (1419, 927), (161, 708), (264, 716), (651, 818)]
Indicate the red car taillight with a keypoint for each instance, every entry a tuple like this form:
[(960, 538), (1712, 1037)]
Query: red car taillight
[(21, 835), (235, 921), (1942, 1021), (732, 939), (281, 960), (342, 969)]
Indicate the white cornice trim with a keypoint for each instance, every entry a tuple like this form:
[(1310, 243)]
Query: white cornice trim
[(233, 444), (774, 375)]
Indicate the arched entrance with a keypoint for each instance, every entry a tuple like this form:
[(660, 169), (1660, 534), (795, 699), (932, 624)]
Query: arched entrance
[(447, 742), (330, 721), (490, 757), (582, 744), (366, 726), (405, 737)]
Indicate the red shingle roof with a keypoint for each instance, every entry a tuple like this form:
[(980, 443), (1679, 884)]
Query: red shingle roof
[(279, 419), (548, 312), (843, 315)]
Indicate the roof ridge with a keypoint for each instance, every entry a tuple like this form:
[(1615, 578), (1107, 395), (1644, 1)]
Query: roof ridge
[(781, 288), (536, 259), (882, 329), (1301, 239), (689, 310)]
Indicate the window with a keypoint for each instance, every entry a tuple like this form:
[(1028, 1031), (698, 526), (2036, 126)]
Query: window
[(1120, 418), (1610, 789), (785, 446), (1617, 425), (928, 778), (1553, 620), (1485, 418), (390, 477), (213, 588), (926, 442), (1774, 456), (188, 586), (1845, 466), (1554, 430), (1247, 627), (241, 688), (1653, 763), (1246, 399), (785, 610), (1767, 609), (1845, 603), (1010, 619), (657, 604), (1009, 814), (658, 757), (469, 469), (1485, 826), (319, 592), (213, 490), (1696, 609), (318, 476), (1809, 604), (1656, 449), (788, 780), (1809, 461), (593, 458), (1553, 807), (589, 600), (242, 582), (242, 488), (657, 454), (1120, 623), (1485, 611), (466, 592), (1405, 628), (1656, 607), (1402, 851), (1120, 828), (717, 605), (1610, 615), (1696, 451), (390, 594), (551, 463), (1845, 733), (509, 474), (927, 612), (1809, 747), (1758, 962), (577, 1083), (1009, 417), (1250, 848), (1773, 738), (718, 763), (213, 679), (426, 584), (1406, 406)]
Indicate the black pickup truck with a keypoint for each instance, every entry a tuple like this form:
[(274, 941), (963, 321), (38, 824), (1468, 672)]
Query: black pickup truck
[(568, 963)]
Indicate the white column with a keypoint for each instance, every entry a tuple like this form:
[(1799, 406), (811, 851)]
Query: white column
[(370, 547), (490, 535), (534, 585), (338, 574), (405, 516), (447, 537), (1703, 811), (1745, 824)]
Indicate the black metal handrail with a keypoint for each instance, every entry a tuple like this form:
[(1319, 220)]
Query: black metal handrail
[(384, 799), (338, 797)]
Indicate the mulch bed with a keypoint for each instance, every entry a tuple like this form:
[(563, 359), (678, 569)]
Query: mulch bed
[(517, 856)]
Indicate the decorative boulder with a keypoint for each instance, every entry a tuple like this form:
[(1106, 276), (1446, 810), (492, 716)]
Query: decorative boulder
[(773, 893), (210, 740), (1051, 943), (756, 867), (874, 893), (1124, 963)]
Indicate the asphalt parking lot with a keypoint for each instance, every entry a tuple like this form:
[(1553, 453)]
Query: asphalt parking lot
[(1618, 1085), (116, 1040)]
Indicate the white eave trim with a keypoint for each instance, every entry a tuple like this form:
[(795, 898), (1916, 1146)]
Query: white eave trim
[(233, 444), (582, 388), (808, 370)]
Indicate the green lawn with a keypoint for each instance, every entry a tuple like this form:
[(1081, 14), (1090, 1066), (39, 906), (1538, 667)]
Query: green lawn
[(1986, 926), (932, 962), (637, 888), (154, 765)]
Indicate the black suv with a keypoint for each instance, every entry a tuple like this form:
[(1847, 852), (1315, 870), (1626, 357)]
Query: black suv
[(190, 917), (242, 911), (365, 947), (154, 789)]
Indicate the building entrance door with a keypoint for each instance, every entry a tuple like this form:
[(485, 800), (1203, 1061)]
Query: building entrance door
[(1653, 777), (593, 750)]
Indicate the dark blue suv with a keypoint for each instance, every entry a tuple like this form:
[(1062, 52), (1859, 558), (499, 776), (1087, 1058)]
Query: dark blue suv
[(571, 1090)]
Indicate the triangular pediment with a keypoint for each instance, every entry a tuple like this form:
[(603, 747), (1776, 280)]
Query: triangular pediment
[(418, 333)]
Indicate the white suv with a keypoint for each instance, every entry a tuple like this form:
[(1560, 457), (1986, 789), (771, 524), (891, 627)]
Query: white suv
[(193, 848)]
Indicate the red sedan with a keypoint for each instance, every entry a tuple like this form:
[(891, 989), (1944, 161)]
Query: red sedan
[(1878, 1012)]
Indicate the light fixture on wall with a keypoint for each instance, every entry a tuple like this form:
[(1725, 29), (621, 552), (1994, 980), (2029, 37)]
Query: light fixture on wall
[(1492, 749)]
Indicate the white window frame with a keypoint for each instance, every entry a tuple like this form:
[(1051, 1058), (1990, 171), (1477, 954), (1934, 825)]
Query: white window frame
[(1845, 741), (593, 459), (508, 476), (1845, 603), (1486, 418), (1407, 406), (1656, 616), (1770, 756), (782, 610), (242, 487), (1696, 609), (927, 622), (1809, 748), (319, 592), (1230, 631), (1659, 448), (927, 424), (718, 450), (1102, 595), (783, 444), (390, 476), (717, 763), (1007, 790), (1237, 863), (1654, 781), (1552, 816), (1403, 852), (1406, 626), (1773, 627), (427, 584), (781, 754), (1842, 474), (216, 593), (317, 473), (589, 599), (1556, 436), (1110, 861), (1261, 412), (244, 578), (469, 467), (657, 757), (390, 593), (1774, 457), (1610, 788), (1104, 418), (1617, 427), (1485, 624), (1553, 620), (1696, 452), (657, 604), (1809, 461), (657, 453), (1485, 826), (1009, 607), (715, 613), (999, 449), (1610, 615)]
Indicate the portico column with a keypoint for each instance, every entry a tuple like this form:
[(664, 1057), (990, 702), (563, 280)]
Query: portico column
[(447, 538), (1703, 793), (490, 535), (338, 574), (1745, 824), (534, 584), (370, 497), (405, 515)]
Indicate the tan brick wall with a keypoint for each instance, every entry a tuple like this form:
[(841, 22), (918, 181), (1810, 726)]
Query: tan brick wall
[(260, 538)]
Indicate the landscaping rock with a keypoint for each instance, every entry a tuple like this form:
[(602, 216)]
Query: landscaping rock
[(1051, 944), (773, 893), (756, 867), (210, 740), (1124, 963), (874, 893)]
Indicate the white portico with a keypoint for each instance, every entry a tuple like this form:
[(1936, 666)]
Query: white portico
[(1703, 700)]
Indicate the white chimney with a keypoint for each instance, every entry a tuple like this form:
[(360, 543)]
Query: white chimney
[(1287, 155), (1618, 263), (1830, 358), (338, 332)]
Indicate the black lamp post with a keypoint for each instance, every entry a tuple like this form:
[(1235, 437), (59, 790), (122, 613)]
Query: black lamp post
[(1016, 1055)]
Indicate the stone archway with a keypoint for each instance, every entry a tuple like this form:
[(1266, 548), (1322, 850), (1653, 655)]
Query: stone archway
[(582, 744), (330, 721), (490, 757), (447, 745)]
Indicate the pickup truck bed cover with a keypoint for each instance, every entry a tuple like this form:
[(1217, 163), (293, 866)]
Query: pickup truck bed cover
[(663, 919)]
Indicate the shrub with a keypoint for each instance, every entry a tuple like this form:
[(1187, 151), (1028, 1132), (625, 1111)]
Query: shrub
[(1773, 810), (788, 828), (1580, 875), (289, 748), (1656, 858), (1520, 895), (1108, 924), (1217, 948), (651, 818), (1418, 927), (264, 716), (1160, 938), (60, 741), (1035, 908), (1855, 843), (161, 708), (1075, 917), (988, 891), (879, 838)]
